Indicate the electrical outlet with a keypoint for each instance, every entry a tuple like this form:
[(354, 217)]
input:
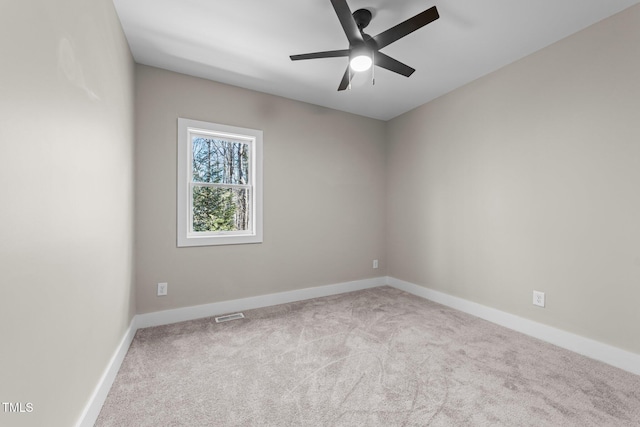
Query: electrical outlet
[(375, 263), (538, 298), (163, 288)]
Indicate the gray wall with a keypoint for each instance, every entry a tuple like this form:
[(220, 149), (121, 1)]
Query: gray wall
[(529, 179), (66, 189), (324, 187), (525, 179)]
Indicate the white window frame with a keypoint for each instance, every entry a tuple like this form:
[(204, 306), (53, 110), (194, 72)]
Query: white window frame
[(186, 236)]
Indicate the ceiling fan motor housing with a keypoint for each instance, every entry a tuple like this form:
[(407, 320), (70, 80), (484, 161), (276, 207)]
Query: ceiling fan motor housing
[(362, 18)]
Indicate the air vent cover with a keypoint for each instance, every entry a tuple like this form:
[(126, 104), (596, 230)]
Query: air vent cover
[(229, 317)]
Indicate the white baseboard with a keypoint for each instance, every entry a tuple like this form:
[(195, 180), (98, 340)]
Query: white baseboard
[(92, 410), (587, 347), (596, 350), (207, 310), (99, 395)]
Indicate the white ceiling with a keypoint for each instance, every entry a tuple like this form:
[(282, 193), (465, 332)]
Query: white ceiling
[(247, 43)]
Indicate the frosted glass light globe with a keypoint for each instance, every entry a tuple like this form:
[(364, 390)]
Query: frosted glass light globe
[(361, 63)]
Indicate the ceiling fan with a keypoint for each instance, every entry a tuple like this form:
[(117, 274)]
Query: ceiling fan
[(364, 50)]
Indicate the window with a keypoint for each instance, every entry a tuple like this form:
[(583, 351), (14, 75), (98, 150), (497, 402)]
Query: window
[(219, 184)]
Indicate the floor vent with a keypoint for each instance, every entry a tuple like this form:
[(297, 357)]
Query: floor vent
[(229, 317)]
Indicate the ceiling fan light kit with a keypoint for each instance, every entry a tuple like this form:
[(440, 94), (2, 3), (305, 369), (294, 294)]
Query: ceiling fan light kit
[(361, 60), (364, 50)]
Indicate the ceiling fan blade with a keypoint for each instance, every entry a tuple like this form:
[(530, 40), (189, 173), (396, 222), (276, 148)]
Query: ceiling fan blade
[(387, 37), (346, 20), (391, 64), (344, 83), (326, 54)]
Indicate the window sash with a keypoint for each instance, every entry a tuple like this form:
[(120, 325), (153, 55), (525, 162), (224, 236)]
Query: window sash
[(217, 184), (227, 137), (228, 165), (250, 228)]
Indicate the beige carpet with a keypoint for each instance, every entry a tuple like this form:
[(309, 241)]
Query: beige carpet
[(378, 357)]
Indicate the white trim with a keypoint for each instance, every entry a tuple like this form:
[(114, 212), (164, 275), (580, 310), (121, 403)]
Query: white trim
[(613, 356), (253, 137), (166, 317), (587, 347), (93, 407), (99, 395)]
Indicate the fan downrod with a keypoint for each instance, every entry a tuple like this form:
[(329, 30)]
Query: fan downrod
[(362, 18)]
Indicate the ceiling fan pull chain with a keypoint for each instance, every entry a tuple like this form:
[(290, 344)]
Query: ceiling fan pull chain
[(349, 87), (373, 68)]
